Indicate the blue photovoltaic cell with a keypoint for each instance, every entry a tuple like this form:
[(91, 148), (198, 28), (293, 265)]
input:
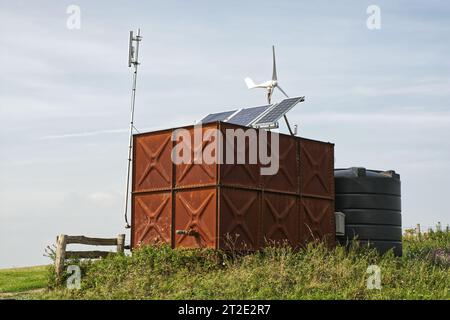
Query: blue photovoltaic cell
[(219, 116), (246, 116), (279, 110)]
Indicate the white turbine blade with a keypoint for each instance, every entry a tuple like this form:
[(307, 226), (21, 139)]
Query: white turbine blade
[(279, 88), (250, 84), (274, 70)]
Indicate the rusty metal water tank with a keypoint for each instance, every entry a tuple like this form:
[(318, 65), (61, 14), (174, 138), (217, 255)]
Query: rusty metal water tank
[(371, 202), (201, 205)]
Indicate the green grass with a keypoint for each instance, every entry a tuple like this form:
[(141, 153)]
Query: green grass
[(274, 273), (23, 279)]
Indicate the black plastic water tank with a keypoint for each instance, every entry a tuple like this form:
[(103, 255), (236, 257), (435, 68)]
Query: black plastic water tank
[(371, 201)]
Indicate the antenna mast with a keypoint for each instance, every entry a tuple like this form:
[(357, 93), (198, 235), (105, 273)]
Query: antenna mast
[(133, 60)]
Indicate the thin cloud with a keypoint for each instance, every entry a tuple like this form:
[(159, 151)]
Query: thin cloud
[(82, 134), (96, 133)]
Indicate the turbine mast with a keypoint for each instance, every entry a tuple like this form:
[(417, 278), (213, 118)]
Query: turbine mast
[(133, 60)]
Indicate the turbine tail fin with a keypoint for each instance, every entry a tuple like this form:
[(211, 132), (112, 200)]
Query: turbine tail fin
[(250, 83)]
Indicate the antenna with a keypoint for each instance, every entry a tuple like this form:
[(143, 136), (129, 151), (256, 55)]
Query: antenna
[(133, 60), (130, 50), (270, 86)]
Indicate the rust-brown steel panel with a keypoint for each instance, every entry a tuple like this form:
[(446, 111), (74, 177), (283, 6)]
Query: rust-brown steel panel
[(316, 168), (151, 219), (280, 219), (234, 174), (317, 220), (196, 212), (287, 178), (152, 165), (240, 214), (207, 202), (197, 174)]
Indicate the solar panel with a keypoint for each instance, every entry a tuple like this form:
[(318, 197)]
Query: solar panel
[(219, 116), (279, 110), (246, 116)]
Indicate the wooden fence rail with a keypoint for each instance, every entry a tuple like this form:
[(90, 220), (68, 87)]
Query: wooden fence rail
[(63, 240)]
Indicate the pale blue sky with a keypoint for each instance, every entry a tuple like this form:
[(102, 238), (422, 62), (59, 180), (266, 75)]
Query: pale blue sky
[(382, 96)]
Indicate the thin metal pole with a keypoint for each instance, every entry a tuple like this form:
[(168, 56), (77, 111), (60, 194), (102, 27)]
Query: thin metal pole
[(130, 145), (288, 125)]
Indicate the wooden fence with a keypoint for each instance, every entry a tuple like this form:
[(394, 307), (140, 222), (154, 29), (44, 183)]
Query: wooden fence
[(63, 240)]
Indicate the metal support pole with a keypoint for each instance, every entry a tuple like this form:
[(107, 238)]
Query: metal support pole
[(288, 125), (133, 60)]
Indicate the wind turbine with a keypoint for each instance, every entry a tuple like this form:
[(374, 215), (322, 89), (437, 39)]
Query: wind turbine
[(269, 85)]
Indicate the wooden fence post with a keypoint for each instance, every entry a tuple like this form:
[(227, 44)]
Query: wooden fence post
[(60, 256), (120, 243), (63, 240), (418, 230)]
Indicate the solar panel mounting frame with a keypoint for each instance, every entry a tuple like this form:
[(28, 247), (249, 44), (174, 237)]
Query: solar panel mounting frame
[(255, 122), (274, 124)]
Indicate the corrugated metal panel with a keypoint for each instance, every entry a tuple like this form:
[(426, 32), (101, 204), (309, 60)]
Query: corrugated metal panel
[(196, 210), (287, 177), (246, 175), (152, 218), (152, 165), (197, 174), (240, 214), (317, 191), (280, 219), (317, 220), (316, 167)]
